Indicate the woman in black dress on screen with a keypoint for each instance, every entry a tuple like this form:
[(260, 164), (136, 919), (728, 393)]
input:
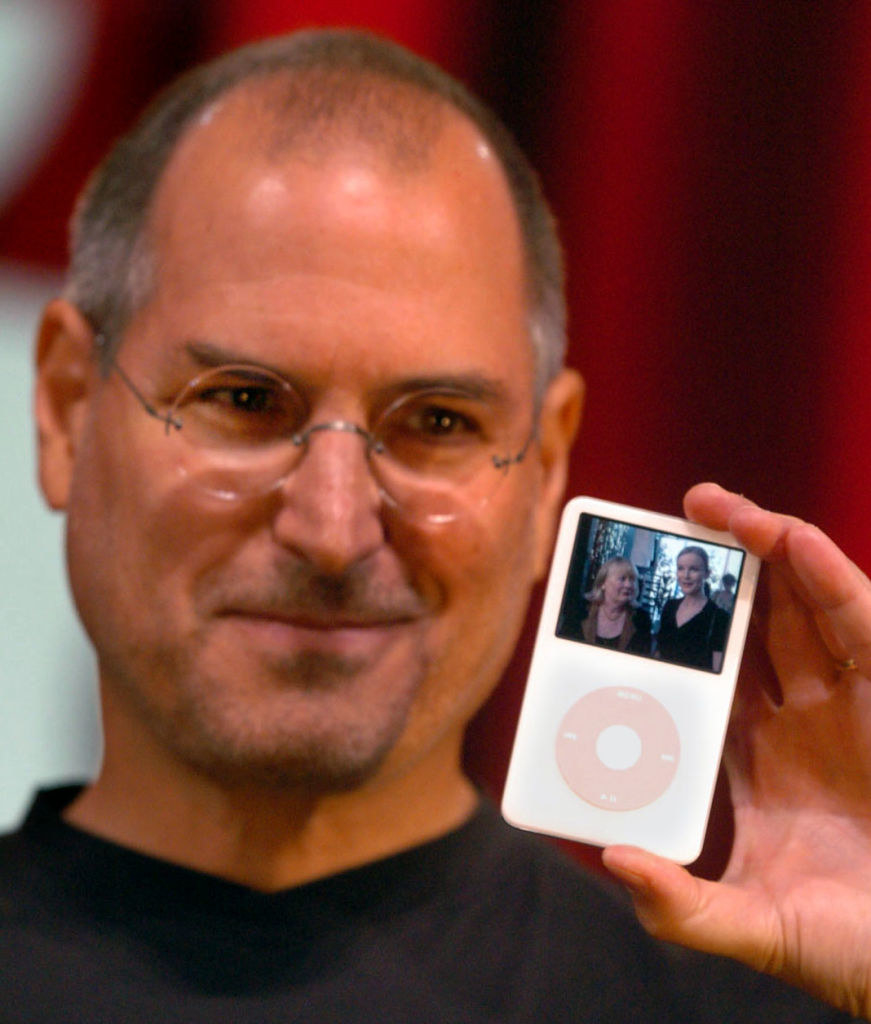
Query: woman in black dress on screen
[(692, 629)]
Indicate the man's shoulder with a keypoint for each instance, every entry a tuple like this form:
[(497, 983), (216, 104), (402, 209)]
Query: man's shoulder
[(30, 860)]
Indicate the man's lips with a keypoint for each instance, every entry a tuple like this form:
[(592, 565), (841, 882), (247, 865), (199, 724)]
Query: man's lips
[(308, 618), (298, 609), (338, 633)]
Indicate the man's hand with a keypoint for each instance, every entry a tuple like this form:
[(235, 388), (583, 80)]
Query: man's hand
[(795, 900)]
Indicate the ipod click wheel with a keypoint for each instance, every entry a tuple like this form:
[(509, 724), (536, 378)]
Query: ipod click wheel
[(618, 748)]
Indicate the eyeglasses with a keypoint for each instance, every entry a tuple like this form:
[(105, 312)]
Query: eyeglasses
[(240, 430)]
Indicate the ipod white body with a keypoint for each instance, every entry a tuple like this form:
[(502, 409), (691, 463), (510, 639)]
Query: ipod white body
[(620, 736)]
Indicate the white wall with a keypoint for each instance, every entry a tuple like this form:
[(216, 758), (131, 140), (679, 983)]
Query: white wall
[(48, 714)]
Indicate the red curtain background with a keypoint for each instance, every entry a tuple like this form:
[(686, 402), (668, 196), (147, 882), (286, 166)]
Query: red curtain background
[(708, 163)]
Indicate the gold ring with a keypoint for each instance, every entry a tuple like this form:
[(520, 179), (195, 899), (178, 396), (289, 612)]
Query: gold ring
[(847, 666)]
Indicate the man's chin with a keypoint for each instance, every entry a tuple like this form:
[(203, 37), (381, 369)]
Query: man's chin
[(330, 731), (312, 775)]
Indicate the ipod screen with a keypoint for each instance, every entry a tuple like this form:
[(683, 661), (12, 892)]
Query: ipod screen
[(649, 593)]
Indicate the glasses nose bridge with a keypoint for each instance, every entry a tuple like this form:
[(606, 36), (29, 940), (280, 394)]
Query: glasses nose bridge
[(371, 444), (336, 463)]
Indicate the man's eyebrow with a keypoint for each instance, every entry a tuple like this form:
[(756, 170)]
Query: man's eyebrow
[(472, 385), (207, 354)]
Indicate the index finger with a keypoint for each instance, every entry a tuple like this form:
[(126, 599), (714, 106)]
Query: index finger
[(836, 585), (835, 589), (759, 530)]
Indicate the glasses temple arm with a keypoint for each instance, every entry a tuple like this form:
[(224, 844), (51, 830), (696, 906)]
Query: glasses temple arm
[(137, 394)]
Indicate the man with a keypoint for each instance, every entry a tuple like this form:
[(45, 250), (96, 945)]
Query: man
[(724, 596), (304, 407)]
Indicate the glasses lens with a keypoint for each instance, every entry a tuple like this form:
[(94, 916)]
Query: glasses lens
[(238, 408), (235, 428), (440, 455)]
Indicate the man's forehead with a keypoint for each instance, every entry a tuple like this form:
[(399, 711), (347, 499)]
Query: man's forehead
[(228, 190), (298, 235), (394, 131)]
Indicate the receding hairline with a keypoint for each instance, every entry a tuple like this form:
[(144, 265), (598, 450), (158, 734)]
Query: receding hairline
[(315, 109), (109, 271), (394, 126)]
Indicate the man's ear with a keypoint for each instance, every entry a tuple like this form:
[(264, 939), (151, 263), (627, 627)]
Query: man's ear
[(66, 371), (559, 420)]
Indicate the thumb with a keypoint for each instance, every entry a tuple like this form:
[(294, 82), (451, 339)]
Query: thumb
[(712, 917)]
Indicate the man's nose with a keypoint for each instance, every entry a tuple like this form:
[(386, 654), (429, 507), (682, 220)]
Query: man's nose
[(331, 503)]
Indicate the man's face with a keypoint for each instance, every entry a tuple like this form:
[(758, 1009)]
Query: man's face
[(312, 634)]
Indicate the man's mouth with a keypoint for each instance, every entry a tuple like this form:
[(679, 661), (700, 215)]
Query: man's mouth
[(349, 636), (307, 618)]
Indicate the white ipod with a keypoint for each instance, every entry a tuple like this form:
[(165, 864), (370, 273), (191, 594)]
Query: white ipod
[(631, 682)]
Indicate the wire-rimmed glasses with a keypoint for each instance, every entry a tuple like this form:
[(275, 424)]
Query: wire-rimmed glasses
[(435, 453)]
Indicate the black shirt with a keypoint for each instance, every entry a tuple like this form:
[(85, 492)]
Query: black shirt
[(484, 925)]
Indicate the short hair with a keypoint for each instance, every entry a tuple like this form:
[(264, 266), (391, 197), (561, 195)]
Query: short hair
[(596, 595), (110, 269)]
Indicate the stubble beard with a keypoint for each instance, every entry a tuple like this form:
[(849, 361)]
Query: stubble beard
[(297, 739), (308, 720)]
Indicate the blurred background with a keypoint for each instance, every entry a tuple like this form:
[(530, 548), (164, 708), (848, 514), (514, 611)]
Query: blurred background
[(708, 164)]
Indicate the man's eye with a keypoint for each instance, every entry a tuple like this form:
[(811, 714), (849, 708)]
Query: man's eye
[(241, 398), (436, 421), (236, 406), (436, 426), (426, 431)]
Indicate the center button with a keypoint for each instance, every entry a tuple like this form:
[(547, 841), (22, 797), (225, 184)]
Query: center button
[(618, 747)]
